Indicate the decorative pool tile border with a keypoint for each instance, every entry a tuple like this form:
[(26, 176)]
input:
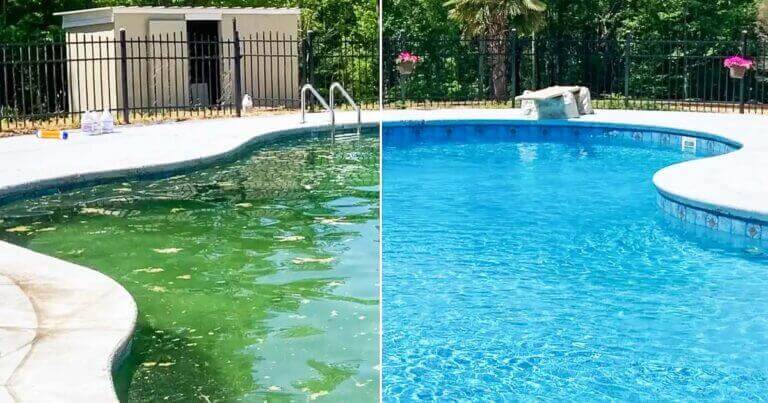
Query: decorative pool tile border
[(419, 132), (689, 144), (713, 220)]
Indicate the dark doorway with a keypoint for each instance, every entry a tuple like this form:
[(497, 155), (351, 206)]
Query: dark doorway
[(204, 63)]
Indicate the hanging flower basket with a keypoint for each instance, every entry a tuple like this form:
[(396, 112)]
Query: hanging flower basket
[(738, 71), (738, 66), (406, 63), (406, 68)]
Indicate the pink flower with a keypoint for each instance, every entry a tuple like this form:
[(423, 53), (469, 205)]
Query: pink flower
[(407, 57), (738, 61)]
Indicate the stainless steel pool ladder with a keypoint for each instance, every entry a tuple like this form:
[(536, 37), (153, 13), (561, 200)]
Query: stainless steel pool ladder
[(337, 86), (331, 109), (311, 89)]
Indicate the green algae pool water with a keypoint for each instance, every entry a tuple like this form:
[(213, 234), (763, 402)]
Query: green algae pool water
[(256, 280)]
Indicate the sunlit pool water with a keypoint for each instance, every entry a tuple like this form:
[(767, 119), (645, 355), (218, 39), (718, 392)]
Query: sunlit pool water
[(255, 279), (524, 269)]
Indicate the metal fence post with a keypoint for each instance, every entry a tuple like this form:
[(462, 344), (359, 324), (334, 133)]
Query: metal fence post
[(481, 44), (744, 79), (310, 58), (513, 63), (535, 63), (124, 76), (585, 60), (238, 79), (627, 65)]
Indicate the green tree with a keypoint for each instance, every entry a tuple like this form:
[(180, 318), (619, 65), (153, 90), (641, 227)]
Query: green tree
[(492, 19), (33, 20)]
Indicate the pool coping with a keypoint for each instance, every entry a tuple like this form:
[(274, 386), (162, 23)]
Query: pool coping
[(65, 328), (727, 184)]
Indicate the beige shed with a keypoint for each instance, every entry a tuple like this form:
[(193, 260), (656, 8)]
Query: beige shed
[(179, 56)]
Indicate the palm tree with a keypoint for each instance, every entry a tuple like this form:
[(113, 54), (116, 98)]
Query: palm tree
[(493, 19)]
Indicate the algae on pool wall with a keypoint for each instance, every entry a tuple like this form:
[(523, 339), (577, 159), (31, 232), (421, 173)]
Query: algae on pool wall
[(255, 280)]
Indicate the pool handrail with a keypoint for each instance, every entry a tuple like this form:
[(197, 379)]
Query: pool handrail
[(310, 88), (337, 86)]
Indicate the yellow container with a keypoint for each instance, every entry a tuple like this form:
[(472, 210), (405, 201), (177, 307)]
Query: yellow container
[(52, 134)]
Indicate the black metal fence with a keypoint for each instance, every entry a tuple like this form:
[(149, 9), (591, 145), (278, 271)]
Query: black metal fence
[(171, 76), (151, 78), (623, 73)]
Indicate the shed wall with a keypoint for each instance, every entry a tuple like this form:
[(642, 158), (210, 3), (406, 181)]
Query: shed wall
[(158, 67), (91, 68)]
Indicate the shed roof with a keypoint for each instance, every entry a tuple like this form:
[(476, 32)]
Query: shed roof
[(179, 10), (105, 15)]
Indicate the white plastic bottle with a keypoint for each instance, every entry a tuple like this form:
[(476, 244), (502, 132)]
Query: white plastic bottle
[(86, 123), (247, 103), (106, 122)]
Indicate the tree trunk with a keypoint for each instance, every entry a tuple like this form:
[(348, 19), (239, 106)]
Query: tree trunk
[(497, 50)]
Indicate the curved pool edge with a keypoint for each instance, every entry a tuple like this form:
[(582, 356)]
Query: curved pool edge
[(84, 325), (66, 328), (724, 192)]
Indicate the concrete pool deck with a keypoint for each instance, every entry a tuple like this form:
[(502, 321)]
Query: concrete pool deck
[(64, 327), (733, 183)]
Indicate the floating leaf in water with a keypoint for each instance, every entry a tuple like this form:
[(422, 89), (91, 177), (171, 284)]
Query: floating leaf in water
[(289, 238), (165, 364), (331, 221), (331, 376), (303, 260), (149, 270), (244, 205), (168, 250), (184, 277), (361, 384), (149, 364), (20, 228), (300, 331), (274, 388), (46, 229), (98, 211), (314, 396)]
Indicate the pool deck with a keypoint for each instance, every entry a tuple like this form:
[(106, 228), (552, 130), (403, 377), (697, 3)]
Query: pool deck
[(64, 327), (735, 183)]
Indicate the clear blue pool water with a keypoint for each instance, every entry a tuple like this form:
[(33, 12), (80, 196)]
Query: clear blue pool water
[(528, 268)]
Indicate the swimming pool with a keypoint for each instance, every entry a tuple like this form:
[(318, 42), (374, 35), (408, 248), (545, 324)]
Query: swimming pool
[(256, 279), (523, 262)]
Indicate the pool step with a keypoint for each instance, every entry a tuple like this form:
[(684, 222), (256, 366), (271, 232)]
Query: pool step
[(346, 135)]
